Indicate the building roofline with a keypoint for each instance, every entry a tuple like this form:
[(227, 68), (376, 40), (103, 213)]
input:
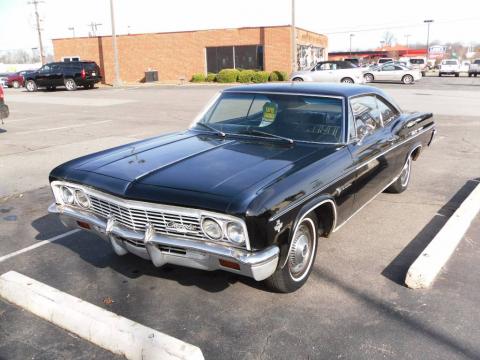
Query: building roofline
[(189, 31)]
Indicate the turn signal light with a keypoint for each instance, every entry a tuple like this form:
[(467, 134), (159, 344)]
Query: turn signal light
[(83, 224), (229, 264)]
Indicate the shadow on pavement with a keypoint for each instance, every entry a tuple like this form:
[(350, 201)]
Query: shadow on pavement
[(405, 319), (397, 269)]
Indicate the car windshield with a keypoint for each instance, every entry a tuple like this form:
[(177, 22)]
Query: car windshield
[(277, 116)]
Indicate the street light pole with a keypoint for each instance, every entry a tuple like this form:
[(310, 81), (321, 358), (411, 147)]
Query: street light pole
[(117, 81), (351, 35), (294, 39), (428, 22)]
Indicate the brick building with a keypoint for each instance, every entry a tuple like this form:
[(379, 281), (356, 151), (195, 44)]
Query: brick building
[(178, 55)]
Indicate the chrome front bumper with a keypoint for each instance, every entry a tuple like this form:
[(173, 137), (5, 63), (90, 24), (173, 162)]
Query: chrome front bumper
[(162, 249)]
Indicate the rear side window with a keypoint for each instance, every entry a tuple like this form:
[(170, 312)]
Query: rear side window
[(90, 66), (387, 111), (366, 113)]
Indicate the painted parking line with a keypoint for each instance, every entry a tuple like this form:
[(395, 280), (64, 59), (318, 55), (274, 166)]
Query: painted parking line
[(40, 243), (99, 326), (426, 267), (61, 127)]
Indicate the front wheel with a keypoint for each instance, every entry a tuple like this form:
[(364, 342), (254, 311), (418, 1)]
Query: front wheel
[(31, 86), (369, 77), (293, 272), (297, 79), (347, 80), (401, 184), (70, 84), (407, 79), (16, 84)]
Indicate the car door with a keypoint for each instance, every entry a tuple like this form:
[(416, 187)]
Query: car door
[(375, 164), (42, 75), (323, 72), (386, 73)]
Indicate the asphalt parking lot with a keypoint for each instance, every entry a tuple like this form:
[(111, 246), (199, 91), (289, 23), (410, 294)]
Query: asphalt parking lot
[(354, 305)]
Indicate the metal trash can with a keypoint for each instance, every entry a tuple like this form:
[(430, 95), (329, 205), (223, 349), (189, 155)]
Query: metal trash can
[(151, 75)]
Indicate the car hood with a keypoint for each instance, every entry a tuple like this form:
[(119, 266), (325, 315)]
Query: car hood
[(190, 169)]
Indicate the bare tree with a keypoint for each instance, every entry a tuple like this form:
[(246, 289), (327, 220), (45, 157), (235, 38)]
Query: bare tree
[(388, 38)]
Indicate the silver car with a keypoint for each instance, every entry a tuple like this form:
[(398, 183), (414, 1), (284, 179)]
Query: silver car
[(331, 71), (392, 72)]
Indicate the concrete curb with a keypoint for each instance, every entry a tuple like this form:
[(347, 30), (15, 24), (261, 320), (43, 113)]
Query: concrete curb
[(103, 328), (426, 267)]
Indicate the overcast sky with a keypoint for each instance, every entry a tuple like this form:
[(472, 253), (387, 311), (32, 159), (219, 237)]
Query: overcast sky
[(368, 20)]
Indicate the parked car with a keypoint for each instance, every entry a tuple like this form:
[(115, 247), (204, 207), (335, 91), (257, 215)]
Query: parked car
[(419, 63), (16, 79), (464, 66), (68, 74), (331, 71), (391, 72), (3, 79), (449, 67), (384, 60), (4, 112), (260, 176), (474, 68)]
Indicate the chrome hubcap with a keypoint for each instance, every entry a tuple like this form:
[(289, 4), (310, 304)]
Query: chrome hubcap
[(301, 250), (30, 86), (405, 175), (70, 84), (408, 79)]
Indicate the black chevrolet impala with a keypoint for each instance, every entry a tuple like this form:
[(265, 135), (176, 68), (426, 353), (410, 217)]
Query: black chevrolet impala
[(262, 175)]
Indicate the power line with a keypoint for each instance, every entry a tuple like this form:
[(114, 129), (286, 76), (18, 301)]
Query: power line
[(39, 30)]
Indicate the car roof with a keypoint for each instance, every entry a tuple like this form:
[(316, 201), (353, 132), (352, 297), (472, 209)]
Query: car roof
[(327, 89)]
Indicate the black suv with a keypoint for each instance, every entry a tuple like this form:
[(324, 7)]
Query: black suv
[(68, 74)]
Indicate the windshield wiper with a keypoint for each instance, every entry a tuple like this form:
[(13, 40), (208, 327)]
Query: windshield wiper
[(216, 131), (258, 132)]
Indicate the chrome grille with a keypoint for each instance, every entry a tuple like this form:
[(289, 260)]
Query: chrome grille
[(136, 218)]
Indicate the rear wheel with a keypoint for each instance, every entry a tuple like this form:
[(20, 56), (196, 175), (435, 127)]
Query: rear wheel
[(407, 79), (70, 84), (457, 74), (401, 184), (16, 84), (291, 274), (31, 86), (347, 80), (297, 79)]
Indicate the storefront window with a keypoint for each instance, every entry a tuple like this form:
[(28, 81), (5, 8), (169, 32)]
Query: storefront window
[(246, 57)]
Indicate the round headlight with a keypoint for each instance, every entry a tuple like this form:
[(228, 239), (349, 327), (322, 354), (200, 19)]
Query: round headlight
[(67, 195), (212, 229), (82, 199), (235, 233)]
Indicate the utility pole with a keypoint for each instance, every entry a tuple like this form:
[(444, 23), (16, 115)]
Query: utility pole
[(351, 36), (428, 22), (294, 39), (406, 37), (72, 29), (94, 26), (117, 81), (39, 30)]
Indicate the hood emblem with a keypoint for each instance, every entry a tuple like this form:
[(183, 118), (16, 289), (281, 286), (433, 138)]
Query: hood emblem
[(278, 226)]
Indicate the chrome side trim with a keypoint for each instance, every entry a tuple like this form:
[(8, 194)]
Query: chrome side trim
[(316, 192), (369, 201)]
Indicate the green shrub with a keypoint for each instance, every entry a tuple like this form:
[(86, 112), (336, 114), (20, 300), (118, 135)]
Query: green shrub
[(273, 76), (261, 76), (198, 77), (278, 76), (211, 77), (246, 76), (228, 75), (283, 76)]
